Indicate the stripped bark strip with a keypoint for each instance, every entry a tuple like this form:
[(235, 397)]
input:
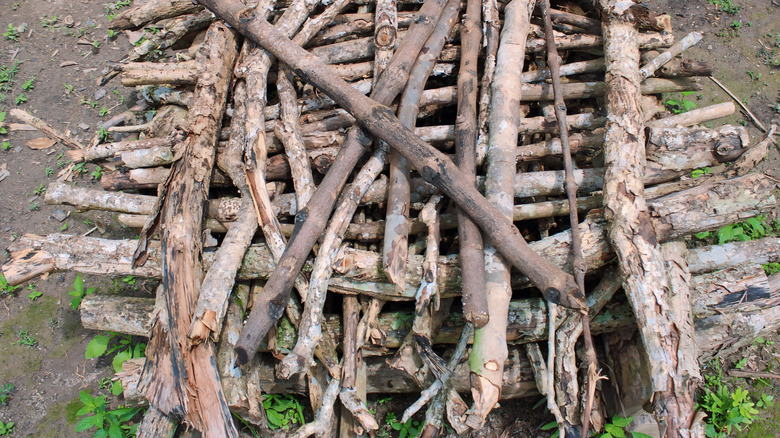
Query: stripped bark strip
[(466, 133), (309, 227), (630, 229), (396, 241), (566, 367), (490, 350), (179, 379), (288, 130)]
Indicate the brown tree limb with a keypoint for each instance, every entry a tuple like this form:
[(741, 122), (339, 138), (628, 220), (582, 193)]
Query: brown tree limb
[(396, 240), (466, 132), (490, 352)]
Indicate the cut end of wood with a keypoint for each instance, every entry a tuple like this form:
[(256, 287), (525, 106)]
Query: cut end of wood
[(486, 395), (26, 264), (76, 155), (241, 355)]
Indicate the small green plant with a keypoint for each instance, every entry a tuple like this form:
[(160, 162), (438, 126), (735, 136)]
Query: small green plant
[(754, 76), (3, 130), (49, 22), (111, 33), (727, 6), (64, 227), (116, 423), (7, 77), (79, 169), (282, 410), (78, 293), (21, 98), (34, 206), (681, 105), (40, 190), (696, 173), (6, 145), (122, 345), (6, 428), (736, 25), (68, 88), (48, 170), (728, 411), (96, 44), (12, 33), (103, 133), (34, 294), (5, 393), (29, 84), (26, 339), (771, 268), (410, 429), (6, 288), (103, 111), (97, 173)]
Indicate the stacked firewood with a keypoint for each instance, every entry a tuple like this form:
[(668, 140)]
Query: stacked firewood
[(342, 155)]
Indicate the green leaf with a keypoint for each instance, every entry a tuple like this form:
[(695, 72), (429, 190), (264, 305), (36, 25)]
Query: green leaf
[(97, 346), (620, 421), (116, 388), (120, 359), (115, 431), (614, 430), (275, 419), (550, 425), (640, 435), (88, 423), (102, 433)]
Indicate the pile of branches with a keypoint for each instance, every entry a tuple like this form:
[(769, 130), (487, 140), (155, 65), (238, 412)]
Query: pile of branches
[(396, 158)]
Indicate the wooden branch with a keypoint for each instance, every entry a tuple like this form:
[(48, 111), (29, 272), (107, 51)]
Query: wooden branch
[(288, 130), (311, 226), (108, 150), (385, 31), (489, 352), (649, 69), (630, 230), (695, 117), (45, 128), (178, 379), (466, 132), (396, 240), (152, 11), (490, 23)]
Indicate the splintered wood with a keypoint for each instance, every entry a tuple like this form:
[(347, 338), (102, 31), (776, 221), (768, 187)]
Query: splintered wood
[(335, 128)]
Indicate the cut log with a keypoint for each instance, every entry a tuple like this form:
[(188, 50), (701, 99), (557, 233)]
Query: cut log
[(631, 231)]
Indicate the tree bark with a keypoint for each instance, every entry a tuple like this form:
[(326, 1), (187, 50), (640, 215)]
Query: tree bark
[(630, 230), (180, 380)]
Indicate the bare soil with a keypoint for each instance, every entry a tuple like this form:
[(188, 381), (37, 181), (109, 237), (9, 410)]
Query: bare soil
[(66, 62)]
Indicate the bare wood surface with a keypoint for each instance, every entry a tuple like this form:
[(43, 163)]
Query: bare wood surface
[(490, 352)]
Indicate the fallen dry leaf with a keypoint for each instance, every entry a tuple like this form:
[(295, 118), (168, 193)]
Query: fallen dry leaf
[(4, 173), (41, 143)]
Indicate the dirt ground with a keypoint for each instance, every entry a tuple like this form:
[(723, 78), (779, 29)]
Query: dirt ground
[(65, 62)]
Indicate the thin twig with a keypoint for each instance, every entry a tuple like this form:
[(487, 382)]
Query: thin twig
[(741, 105), (578, 262)]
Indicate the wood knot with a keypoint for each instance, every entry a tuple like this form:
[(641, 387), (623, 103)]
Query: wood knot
[(385, 37)]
